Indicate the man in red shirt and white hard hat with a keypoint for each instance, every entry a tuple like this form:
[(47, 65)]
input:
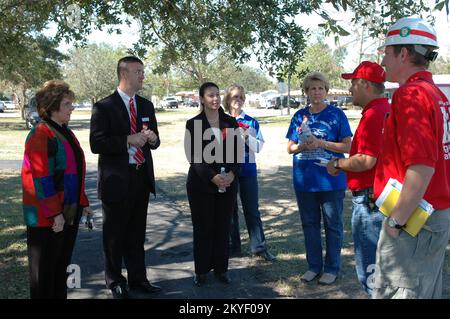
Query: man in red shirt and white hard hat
[(415, 152)]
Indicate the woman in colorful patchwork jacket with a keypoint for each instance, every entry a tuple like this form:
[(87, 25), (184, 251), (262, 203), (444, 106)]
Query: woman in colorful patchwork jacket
[(54, 198)]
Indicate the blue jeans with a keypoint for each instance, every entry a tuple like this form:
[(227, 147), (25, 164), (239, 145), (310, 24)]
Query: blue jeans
[(248, 190), (312, 206), (366, 226)]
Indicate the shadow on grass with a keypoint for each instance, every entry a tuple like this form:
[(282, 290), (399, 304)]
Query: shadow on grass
[(283, 233), (13, 254), (12, 124), (284, 236), (169, 247)]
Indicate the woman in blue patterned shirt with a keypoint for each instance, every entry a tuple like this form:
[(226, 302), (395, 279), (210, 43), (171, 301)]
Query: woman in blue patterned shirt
[(248, 183), (319, 133)]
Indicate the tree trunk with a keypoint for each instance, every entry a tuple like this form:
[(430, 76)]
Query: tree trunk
[(24, 102), (289, 94)]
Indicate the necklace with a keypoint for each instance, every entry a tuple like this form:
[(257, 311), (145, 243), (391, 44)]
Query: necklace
[(214, 121)]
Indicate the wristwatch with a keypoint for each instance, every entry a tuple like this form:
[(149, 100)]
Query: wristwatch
[(336, 163), (393, 223)]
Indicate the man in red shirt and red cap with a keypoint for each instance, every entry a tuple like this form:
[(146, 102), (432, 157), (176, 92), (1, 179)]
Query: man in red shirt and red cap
[(368, 92), (415, 152)]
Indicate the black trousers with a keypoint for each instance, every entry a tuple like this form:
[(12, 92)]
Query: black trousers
[(124, 227), (211, 217), (49, 254)]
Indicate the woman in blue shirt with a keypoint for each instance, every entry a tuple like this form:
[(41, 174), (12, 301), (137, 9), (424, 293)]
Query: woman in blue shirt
[(325, 135), (248, 182)]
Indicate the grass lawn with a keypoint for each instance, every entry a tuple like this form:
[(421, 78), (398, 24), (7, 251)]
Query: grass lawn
[(277, 204), (13, 255)]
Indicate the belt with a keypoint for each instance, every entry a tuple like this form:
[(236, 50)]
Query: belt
[(364, 191), (136, 167)]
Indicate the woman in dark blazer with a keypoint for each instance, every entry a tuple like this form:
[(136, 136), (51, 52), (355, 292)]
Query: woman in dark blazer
[(212, 142)]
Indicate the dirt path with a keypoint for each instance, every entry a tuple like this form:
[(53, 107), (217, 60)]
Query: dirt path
[(170, 262)]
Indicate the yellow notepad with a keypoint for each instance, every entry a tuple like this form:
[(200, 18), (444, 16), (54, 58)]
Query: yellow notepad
[(389, 198)]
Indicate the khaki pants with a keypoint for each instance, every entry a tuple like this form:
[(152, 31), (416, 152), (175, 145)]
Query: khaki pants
[(411, 267)]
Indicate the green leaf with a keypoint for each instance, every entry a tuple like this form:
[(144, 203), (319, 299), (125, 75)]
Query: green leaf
[(439, 6), (342, 32)]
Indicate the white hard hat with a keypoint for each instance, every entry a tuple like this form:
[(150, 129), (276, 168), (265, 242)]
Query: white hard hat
[(411, 31)]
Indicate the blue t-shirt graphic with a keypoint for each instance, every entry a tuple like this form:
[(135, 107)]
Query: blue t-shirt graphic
[(252, 145), (330, 124)]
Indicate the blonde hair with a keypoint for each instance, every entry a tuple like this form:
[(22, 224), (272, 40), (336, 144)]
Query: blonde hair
[(315, 76), (49, 97), (227, 97)]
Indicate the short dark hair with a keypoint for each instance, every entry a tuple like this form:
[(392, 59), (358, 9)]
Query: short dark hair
[(121, 65), (49, 97), (378, 87), (416, 58)]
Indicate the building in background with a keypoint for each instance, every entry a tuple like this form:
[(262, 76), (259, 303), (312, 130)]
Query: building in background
[(441, 80)]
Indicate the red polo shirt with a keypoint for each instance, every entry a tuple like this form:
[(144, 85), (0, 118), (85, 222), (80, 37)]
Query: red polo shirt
[(417, 132), (367, 141)]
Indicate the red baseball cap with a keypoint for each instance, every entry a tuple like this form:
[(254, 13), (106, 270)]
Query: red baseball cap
[(369, 71)]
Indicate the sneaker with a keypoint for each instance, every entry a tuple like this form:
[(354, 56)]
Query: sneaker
[(309, 276), (327, 279)]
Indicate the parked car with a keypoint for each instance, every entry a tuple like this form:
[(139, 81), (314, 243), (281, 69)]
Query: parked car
[(266, 103), (2, 107), (342, 102), (85, 104), (345, 101), (169, 101), (9, 105), (278, 102), (31, 115), (191, 103)]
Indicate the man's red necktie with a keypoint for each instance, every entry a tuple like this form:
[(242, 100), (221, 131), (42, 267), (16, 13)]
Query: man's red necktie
[(139, 155)]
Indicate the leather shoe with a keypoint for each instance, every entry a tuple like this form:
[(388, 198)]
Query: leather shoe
[(120, 292), (145, 287), (199, 280), (266, 255), (223, 277)]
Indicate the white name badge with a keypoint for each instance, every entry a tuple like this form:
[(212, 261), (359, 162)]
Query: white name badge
[(145, 119)]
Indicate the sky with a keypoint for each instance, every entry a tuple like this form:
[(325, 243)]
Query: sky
[(131, 34)]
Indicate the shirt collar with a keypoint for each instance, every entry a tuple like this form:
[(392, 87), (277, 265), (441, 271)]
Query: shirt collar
[(241, 116), (382, 100), (123, 95), (424, 75)]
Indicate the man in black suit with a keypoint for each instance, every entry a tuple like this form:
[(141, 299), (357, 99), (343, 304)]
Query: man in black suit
[(123, 131)]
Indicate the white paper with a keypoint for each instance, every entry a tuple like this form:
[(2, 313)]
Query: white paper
[(321, 164)]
